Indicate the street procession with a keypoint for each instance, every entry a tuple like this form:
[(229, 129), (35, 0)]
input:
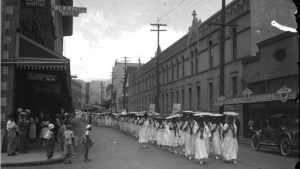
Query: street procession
[(149, 84), (196, 135)]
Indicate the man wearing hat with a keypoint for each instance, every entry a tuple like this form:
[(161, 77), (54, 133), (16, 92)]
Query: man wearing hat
[(22, 126), (12, 138), (87, 142), (50, 141)]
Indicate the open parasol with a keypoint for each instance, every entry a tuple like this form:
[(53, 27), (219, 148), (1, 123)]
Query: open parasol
[(230, 113), (174, 116)]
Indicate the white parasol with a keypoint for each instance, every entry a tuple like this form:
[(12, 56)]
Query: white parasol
[(231, 113), (173, 116)]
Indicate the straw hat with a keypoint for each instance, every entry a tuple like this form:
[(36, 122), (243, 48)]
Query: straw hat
[(27, 111), (19, 110), (51, 126), (88, 126), (23, 113)]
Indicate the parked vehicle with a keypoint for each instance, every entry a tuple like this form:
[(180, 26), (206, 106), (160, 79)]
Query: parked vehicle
[(282, 132)]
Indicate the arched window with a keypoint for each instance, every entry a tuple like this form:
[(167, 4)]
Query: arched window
[(234, 43), (172, 65), (196, 60), (163, 73), (167, 77), (211, 54), (192, 62)]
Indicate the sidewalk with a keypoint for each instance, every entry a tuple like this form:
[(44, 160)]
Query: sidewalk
[(36, 156)]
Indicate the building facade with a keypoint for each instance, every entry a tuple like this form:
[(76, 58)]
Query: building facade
[(117, 81), (189, 69), (29, 36), (76, 94)]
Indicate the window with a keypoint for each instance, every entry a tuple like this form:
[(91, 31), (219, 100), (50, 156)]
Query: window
[(177, 97), (182, 100), (172, 100), (177, 73), (163, 103), (196, 58), (190, 98), (234, 44), (172, 71), (211, 54), (167, 77), (234, 88), (182, 66), (192, 63), (211, 100), (167, 101), (163, 73), (198, 97)]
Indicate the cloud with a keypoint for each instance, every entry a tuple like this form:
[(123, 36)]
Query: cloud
[(93, 60)]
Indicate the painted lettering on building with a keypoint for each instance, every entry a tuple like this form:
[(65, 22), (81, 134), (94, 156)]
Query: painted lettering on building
[(35, 3)]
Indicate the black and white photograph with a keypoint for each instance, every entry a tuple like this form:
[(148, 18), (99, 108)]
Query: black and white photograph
[(149, 84)]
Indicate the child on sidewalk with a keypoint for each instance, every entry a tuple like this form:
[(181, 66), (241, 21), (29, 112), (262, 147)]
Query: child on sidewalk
[(50, 141), (68, 138), (87, 141)]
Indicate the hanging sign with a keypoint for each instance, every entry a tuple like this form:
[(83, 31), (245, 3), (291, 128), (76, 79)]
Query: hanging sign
[(66, 13), (176, 108), (41, 77), (70, 9), (152, 108), (35, 3), (282, 94)]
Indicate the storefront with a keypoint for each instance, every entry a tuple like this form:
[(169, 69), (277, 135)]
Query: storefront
[(42, 78)]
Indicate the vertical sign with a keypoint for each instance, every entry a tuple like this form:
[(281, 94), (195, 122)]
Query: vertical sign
[(176, 108), (152, 108), (87, 95)]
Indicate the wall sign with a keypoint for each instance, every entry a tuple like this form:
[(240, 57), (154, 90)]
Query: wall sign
[(176, 108), (152, 108), (282, 94), (49, 88), (35, 3), (41, 77)]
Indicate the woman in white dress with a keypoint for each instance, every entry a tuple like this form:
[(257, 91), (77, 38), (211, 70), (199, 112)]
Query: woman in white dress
[(165, 140), (202, 133), (32, 129), (188, 128), (174, 135), (160, 133), (181, 136), (230, 144), (44, 125), (217, 137), (143, 137), (208, 143)]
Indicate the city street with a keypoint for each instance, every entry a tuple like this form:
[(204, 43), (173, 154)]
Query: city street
[(115, 150)]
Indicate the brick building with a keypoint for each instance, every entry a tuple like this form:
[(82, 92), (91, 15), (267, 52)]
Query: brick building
[(34, 74), (189, 68)]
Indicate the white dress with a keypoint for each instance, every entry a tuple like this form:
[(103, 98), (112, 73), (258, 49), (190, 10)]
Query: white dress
[(160, 134), (143, 137), (166, 133), (201, 151), (230, 144), (32, 131), (217, 139), (44, 129)]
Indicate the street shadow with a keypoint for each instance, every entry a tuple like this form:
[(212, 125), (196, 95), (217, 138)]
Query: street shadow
[(274, 151)]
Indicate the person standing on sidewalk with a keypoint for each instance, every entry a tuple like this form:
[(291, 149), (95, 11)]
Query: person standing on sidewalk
[(32, 128), (61, 131), (12, 138), (87, 141), (22, 125), (68, 138), (50, 141)]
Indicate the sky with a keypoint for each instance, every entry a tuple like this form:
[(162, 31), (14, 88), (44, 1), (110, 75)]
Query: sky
[(112, 29)]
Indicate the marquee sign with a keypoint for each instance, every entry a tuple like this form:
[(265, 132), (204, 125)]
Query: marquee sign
[(282, 94), (70, 10), (41, 77)]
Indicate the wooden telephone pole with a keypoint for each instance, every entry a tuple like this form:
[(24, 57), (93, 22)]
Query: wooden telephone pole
[(222, 50), (124, 82), (157, 65), (112, 90)]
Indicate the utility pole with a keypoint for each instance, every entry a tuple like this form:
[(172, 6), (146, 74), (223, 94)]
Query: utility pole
[(124, 82), (222, 50), (157, 64), (112, 90), (102, 91)]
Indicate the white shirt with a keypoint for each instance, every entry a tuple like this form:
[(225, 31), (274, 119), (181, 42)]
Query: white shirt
[(11, 125)]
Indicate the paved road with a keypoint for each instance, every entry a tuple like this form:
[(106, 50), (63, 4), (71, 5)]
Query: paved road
[(127, 153)]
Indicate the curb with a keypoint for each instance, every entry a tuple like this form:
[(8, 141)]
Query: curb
[(35, 163)]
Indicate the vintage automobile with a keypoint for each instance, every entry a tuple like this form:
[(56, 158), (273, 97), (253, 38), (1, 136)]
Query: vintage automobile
[(282, 132)]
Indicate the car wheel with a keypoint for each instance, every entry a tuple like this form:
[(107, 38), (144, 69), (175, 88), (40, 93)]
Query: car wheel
[(285, 146), (254, 142)]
